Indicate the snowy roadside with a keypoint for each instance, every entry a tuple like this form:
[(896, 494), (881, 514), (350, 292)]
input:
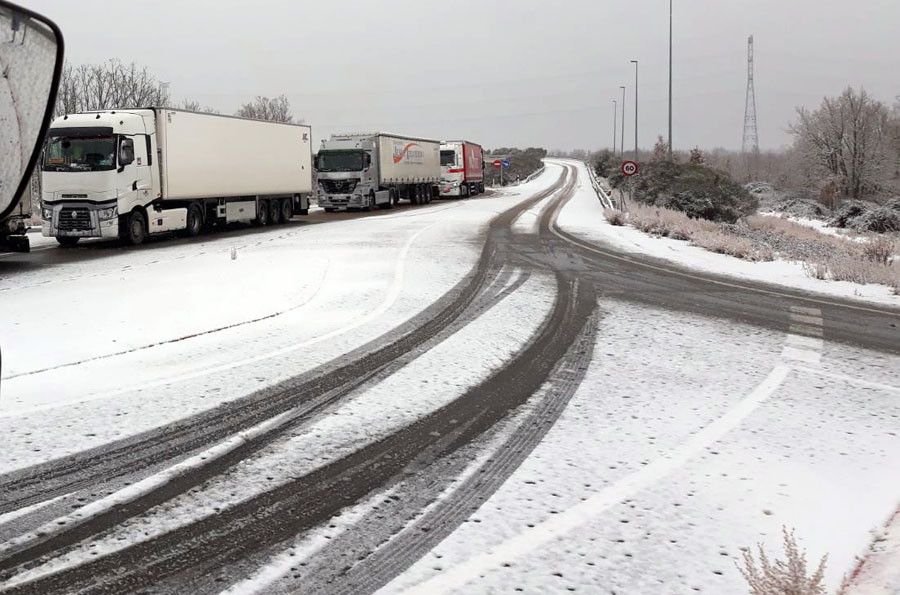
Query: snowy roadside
[(678, 451), (583, 217)]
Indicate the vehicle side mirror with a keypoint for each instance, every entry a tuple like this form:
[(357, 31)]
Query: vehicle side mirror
[(368, 160), (31, 58), (126, 153)]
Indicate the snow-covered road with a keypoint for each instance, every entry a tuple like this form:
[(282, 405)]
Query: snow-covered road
[(673, 423)]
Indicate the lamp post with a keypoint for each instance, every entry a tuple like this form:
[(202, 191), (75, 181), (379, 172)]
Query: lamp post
[(670, 79), (622, 146), (615, 123), (635, 62)]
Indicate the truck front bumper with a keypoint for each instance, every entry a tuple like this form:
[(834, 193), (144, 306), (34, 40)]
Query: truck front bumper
[(78, 221), (341, 201)]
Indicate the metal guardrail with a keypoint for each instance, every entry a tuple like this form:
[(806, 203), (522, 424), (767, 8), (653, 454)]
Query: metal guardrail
[(604, 195), (535, 174)]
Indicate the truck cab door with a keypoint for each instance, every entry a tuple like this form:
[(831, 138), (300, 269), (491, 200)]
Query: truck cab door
[(140, 178)]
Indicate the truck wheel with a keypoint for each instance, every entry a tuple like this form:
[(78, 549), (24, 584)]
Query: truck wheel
[(66, 241), (262, 212), (134, 230), (275, 212), (330, 209), (194, 220), (413, 193), (395, 196), (287, 210), (464, 191)]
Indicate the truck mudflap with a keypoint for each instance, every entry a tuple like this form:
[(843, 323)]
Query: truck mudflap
[(15, 243)]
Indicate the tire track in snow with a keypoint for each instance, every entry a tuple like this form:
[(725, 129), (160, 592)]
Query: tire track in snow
[(124, 458)]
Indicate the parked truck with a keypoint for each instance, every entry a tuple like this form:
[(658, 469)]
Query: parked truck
[(136, 172), (462, 168), (365, 171)]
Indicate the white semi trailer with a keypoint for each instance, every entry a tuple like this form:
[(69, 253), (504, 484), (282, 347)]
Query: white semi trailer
[(136, 172), (364, 171)]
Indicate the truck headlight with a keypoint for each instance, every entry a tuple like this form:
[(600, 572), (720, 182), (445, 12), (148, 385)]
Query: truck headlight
[(46, 213), (107, 214)]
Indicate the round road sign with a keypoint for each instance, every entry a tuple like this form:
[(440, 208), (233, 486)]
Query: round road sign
[(629, 168), (497, 163)]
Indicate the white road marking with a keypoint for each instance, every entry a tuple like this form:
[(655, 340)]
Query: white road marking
[(804, 346), (561, 524)]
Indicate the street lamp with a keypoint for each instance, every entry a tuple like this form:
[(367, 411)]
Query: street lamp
[(615, 124), (670, 80), (623, 120), (635, 62)]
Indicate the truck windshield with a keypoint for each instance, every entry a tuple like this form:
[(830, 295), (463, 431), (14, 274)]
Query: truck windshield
[(82, 153), (340, 161), (448, 157)]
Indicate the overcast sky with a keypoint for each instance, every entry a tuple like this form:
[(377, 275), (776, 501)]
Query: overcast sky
[(502, 72)]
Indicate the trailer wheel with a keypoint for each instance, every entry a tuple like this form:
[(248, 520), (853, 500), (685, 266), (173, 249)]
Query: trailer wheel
[(275, 212), (133, 228), (194, 220), (67, 241), (262, 212), (287, 210)]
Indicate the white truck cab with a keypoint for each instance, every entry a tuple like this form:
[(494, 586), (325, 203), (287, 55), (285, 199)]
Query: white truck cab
[(95, 166)]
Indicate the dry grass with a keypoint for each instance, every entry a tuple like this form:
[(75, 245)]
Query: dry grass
[(783, 577), (836, 258), (880, 250), (700, 232)]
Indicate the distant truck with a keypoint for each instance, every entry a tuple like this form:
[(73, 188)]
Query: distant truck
[(365, 171), (462, 168), (136, 172)]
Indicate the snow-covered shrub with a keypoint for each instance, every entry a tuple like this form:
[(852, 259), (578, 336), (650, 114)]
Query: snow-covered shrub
[(698, 191), (879, 219), (614, 216), (783, 577), (847, 212)]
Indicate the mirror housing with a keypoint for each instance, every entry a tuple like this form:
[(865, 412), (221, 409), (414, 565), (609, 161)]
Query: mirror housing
[(31, 52), (126, 153)]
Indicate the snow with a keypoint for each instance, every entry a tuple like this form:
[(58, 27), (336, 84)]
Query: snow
[(335, 286), (688, 440), (424, 385), (583, 217)]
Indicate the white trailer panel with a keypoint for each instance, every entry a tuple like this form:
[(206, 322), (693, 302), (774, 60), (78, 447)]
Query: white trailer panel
[(207, 155), (409, 160)]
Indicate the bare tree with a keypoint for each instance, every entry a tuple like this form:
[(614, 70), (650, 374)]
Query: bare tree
[(847, 138), (264, 108), (192, 105), (109, 85)]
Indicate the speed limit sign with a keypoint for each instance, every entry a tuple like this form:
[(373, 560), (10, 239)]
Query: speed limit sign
[(629, 168)]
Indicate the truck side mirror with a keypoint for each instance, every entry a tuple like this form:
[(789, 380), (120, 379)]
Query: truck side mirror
[(126, 153), (31, 55), (368, 160)]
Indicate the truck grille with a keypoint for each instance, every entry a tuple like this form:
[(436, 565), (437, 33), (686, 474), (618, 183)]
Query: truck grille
[(74, 219), (339, 186)]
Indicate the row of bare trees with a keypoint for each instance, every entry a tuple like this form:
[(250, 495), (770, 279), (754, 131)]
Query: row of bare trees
[(115, 84)]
